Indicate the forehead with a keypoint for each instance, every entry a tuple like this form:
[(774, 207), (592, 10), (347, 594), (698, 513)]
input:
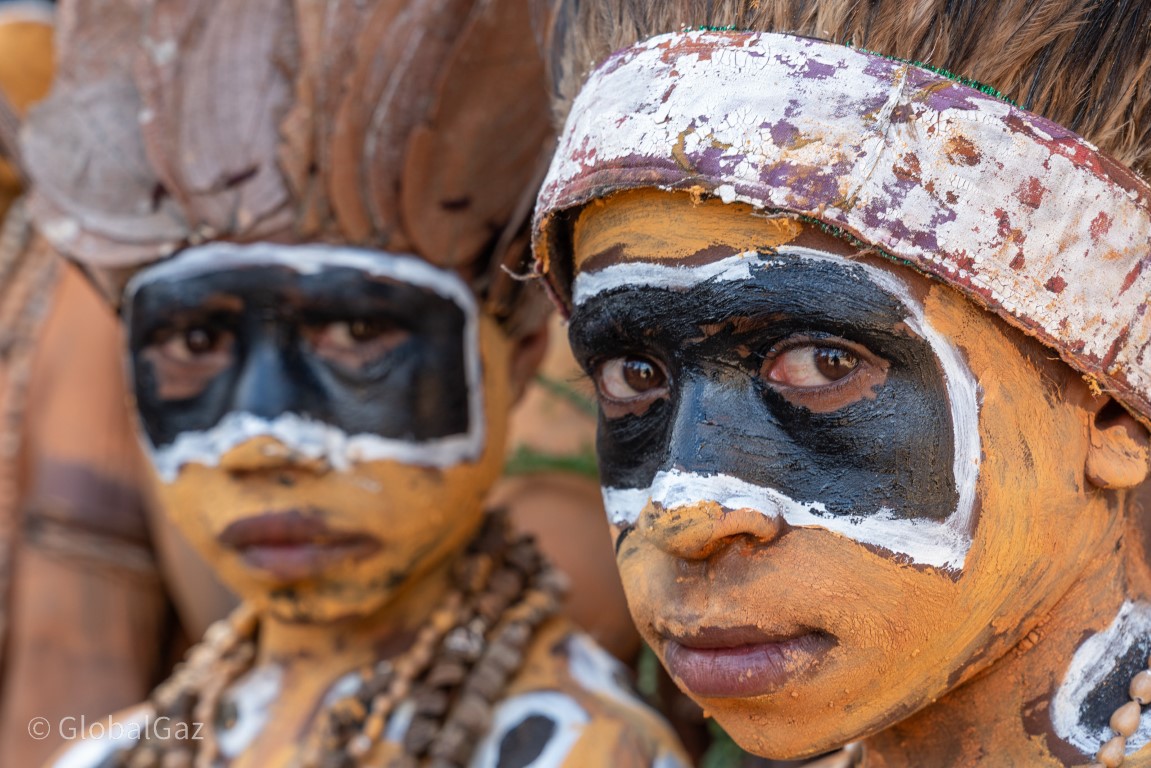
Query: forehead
[(653, 239), (672, 227)]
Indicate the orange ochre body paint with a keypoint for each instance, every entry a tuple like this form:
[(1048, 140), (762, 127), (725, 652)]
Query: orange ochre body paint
[(929, 666)]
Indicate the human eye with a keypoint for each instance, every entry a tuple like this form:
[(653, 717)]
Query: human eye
[(629, 384), (354, 343), (823, 374), (187, 354)]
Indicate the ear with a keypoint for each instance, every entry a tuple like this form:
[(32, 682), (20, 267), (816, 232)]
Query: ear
[(1119, 450), (526, 357)]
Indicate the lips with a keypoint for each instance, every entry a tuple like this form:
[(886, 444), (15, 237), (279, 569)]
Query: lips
[(741, 662), (293, 545)]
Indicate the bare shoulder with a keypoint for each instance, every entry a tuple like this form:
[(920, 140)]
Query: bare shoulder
[(572, 705), (95, 743)]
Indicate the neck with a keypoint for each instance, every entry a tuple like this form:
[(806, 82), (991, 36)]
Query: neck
[(1006, 714), (356, 640)]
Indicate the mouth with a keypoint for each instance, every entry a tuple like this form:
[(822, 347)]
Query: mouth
[(742, 662), (292, 545)]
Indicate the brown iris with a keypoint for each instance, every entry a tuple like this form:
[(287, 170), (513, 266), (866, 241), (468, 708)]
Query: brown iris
[(824, 377), (185, 360), (355, 343), (833, 364), (629, 384)]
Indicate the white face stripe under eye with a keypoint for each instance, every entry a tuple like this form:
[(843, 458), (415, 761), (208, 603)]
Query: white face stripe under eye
[(305, 436)]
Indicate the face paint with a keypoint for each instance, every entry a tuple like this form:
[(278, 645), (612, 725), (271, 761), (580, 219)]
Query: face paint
[(325, 421), (793, 404), (719, 331), (1096, 681), (338, 354)]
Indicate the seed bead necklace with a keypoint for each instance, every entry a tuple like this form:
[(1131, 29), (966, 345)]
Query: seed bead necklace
[(457, 668)]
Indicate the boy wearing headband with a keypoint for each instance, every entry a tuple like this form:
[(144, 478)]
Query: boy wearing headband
[(871, 342)]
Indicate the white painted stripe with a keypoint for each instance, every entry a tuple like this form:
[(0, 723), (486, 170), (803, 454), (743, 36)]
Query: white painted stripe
[(91, 752), (669, 760), (928, 542), (1093, 661), (308, 437), (597, 671), (309, 259), (591, 284), (962, 391), (943, 545), (400, 722)]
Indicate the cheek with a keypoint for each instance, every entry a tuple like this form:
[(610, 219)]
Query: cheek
[(1035, 527)]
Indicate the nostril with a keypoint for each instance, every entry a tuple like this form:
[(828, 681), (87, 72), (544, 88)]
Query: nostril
[(699, 530), (267, 456)]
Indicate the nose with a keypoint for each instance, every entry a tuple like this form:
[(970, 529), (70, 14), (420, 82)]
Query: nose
[(265, 386), (697, 508), (700, 529)]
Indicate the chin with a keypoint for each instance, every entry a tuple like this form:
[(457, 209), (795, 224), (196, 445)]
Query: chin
[(317, 606), (774, 735)]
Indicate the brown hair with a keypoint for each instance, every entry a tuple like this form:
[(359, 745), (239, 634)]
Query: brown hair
[(1085, 64)]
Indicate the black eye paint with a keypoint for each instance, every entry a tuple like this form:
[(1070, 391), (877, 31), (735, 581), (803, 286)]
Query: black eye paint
[(890, 453), (398, 368)]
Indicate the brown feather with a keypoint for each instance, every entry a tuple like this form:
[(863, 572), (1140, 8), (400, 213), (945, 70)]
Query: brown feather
[(457, 200), (345, 121), (215, 80)]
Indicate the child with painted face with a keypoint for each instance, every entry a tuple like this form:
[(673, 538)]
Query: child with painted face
[(873, 354), (304, 213)]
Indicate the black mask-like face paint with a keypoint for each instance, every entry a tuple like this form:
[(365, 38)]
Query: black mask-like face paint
[(358, 350), (801, 375)]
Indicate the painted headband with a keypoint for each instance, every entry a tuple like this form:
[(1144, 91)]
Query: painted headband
[(1023, 216)]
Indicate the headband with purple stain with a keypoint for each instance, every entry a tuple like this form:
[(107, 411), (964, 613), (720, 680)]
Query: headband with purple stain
[(1023, 216)]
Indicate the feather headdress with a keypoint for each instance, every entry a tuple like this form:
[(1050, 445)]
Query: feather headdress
[(413, 127)]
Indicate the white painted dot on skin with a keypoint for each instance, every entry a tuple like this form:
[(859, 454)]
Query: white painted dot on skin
[(940, 544), (253, 695), (588, 285), (308, 437), (1093, 661), (597, 671), (569, 717)]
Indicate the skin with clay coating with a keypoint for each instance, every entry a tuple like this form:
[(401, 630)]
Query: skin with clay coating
[(770, 409)]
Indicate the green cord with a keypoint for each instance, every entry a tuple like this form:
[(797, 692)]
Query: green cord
[(981, 87)]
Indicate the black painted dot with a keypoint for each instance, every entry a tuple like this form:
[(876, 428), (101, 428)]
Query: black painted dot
[(524, 743)]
